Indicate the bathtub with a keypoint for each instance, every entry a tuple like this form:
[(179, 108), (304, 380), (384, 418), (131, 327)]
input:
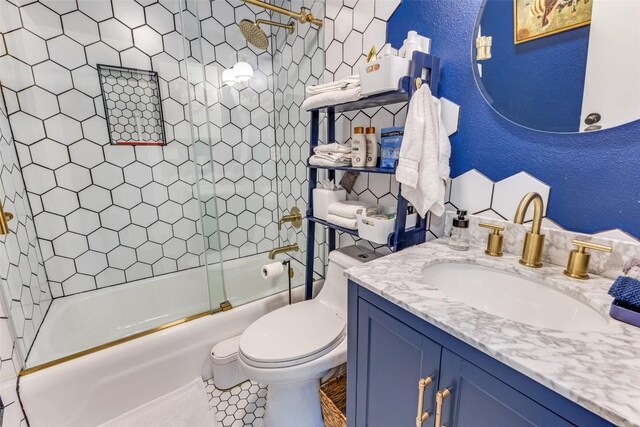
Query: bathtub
[(96, 387)]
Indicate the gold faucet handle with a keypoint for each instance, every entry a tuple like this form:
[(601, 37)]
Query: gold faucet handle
[(578, 263), (588, 245), (494, 243)]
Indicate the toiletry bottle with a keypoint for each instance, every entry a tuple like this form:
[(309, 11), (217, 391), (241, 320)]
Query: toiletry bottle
[(459, 239), (372, 148), (358, 148)]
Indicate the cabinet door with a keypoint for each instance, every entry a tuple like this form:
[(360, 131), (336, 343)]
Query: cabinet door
[(391, 360), (477, 399)]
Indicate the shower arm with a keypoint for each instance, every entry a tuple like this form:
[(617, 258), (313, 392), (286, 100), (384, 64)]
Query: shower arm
[(291, 26), (303, 16)]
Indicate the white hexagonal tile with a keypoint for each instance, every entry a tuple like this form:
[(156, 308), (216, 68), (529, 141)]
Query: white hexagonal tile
[(174, 248), (133, 235), (73, 177), (59, 268), (184, 228), (82, 221), (86, 153), (16, 74), (70, 245), (40, 179), (170, 212), (49, 226), (138, 271), (76, 105), (60, 6), (126, 196), (38, 102), (49, 153), (147, 40), (66, 52), (41, 21), (128, 12), (149, 252), (144, 214), (375, 34), (103, 240), (98, 10), (100, 53), (121, 257), (80, 28), (91, 263), (508, 193), (107, 175), (115, 218), (63, 128), (165, 173), (95, 198), (85, 80), (135, 58), (472, 192), (26, 46), (116, 34), (109, 277), (159, 18), (385, 8), (60, 201), (9, 18), (52, 77)]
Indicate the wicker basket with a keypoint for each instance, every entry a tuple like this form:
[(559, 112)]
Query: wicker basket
[(333, 398)]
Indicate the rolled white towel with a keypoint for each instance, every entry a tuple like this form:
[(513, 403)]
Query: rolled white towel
[(333, 148), (347, 83), (347, 208), (349, 223)]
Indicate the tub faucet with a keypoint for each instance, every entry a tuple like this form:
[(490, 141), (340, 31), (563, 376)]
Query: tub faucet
[(533, 241), (289, 248)]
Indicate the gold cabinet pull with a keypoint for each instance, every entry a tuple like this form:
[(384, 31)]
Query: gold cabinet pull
[(422, 416), (440, 396), (4, 217)]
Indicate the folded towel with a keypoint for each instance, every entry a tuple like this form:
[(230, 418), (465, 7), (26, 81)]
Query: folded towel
[(332, 98), (423, 166), (328, 160), (634, 273), (346, 83), (350, 223), (633, 262), (348, 208), (626, 290), (333, 148)]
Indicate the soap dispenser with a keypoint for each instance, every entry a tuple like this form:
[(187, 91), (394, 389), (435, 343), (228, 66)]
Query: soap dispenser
[(459, 239)]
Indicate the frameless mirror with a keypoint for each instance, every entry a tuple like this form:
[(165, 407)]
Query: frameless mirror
[(560, 66)]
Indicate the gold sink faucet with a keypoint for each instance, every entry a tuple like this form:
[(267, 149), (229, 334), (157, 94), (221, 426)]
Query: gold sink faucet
[(533, 241), (289, 248)]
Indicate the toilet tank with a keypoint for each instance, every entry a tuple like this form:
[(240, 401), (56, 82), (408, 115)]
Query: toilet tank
[(334, 290)]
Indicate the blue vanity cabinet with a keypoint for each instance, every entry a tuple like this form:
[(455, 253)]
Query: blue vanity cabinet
[(390, 350), (393, 359)]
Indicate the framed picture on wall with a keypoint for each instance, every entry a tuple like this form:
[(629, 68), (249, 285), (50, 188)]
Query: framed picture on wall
[(534, 19)]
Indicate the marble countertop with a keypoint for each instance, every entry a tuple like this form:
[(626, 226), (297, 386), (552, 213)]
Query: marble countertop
[(598, 370)]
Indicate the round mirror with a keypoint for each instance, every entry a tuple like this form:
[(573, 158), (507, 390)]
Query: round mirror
[(560, 66)]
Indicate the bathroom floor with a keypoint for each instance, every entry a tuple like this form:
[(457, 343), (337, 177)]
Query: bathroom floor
[(241, 406)]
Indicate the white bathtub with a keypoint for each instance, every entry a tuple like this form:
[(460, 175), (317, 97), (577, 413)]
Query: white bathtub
[(82, 321), (97, 387)]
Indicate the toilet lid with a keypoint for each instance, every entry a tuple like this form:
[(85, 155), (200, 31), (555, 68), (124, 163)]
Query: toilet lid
[(293, 334)]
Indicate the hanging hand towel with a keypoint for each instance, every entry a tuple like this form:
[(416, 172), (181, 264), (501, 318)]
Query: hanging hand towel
[(423, 166)]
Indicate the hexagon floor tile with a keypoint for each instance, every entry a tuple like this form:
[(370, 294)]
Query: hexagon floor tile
[(241, 406)]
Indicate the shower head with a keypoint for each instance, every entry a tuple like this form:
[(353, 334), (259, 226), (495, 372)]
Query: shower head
[(256, 36)]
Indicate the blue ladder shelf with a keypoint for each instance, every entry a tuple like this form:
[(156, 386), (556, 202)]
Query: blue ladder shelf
[(423, 66)]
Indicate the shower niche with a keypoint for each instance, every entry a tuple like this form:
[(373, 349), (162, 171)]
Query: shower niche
[(132, 105)]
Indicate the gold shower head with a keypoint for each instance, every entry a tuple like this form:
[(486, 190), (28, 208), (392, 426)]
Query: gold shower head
[(256, 36)]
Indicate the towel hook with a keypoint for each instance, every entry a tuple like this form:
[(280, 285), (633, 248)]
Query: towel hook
[(418, 82)]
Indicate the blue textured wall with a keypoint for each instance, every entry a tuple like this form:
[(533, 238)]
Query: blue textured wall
[(595, 178), (547, 74)]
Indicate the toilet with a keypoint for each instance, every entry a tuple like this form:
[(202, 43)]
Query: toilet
[(291, 348)]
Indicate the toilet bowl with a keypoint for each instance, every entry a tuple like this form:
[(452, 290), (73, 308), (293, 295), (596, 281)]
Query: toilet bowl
[(292, 347)]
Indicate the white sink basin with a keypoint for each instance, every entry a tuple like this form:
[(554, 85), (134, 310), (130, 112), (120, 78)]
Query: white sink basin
[(514, 297)]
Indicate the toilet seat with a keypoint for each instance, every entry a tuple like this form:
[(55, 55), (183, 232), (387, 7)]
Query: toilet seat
[(292, 335)]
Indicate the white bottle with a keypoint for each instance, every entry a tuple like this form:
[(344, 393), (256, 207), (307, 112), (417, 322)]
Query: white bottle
[(372, 148), (411, 44), (358, 148)]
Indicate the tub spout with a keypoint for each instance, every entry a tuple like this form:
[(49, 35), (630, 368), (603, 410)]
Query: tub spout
[(289, 248)]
